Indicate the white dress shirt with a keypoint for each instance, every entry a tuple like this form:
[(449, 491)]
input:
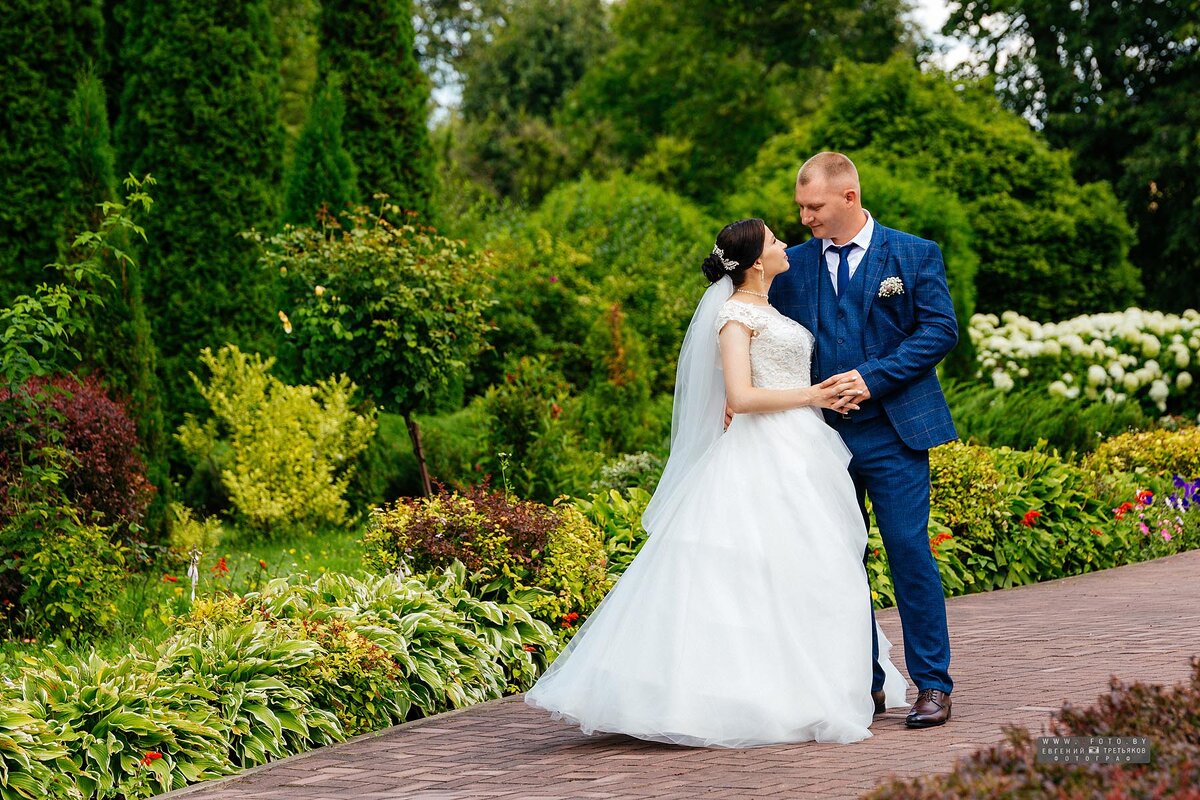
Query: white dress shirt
[(854, 257)]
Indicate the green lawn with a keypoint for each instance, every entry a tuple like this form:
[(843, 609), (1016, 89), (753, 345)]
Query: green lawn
[(151, 599)]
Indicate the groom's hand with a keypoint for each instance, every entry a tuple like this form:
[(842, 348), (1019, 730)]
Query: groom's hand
[(852, 384)]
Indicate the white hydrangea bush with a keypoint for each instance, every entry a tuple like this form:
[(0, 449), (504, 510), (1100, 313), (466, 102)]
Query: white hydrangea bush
[(1148, 356)]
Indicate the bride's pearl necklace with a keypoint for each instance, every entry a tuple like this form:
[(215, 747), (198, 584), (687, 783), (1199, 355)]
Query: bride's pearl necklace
[(747, 291)]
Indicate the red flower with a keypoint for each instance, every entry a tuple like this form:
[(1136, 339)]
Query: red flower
[(568, 620), (221, 567), (875, 552), (554, 279), (1097, 532), (170, 579), (936, 540), (530, 648), (555, 410), (1145, 497), (1120, 511), (262, 564), (1030, 518), (150, 758)]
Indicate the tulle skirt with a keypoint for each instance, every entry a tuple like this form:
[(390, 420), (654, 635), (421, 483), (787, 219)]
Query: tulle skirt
[(745, 619)]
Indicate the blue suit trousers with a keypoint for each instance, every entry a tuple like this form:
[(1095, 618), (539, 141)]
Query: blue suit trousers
[(896, 478)]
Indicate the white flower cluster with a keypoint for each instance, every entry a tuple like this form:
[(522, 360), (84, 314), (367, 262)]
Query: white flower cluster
[(1110, 357)]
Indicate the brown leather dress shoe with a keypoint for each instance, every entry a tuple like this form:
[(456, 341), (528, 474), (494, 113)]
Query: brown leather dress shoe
[(932, 708), (880, 701)]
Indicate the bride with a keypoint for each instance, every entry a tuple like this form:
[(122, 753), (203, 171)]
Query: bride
[(745, 620)]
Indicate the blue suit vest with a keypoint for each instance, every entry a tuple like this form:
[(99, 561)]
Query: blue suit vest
[(840, 345)]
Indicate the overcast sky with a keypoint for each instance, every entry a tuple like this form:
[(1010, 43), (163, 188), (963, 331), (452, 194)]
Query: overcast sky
[(931, 16)]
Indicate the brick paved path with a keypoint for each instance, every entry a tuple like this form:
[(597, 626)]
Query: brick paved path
[(1017, 655)]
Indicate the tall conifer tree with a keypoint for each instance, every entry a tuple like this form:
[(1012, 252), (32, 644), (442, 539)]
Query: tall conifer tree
[(200, 111), (322, 173), (117, 343), (370, 43), (43, 44)]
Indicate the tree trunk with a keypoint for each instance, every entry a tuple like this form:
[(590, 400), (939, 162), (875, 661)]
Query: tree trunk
[(414, 433)]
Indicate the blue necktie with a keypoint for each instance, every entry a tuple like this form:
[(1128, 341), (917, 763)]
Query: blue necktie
[(843, 273)]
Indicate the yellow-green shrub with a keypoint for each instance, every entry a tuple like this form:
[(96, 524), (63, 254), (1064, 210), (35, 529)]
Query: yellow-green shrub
[(965, 492), (1151, 454), (187, 531), (285, 454)]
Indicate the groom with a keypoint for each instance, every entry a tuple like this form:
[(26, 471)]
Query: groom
[(877, 301)]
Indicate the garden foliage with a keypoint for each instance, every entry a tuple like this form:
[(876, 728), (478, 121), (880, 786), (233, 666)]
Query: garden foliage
[(244, 681), (1020, 418), (1147, 356), (552, 560), (370, 44), (200, 110), (399, 308), (46, 43), (284, 454), (1167, 715)]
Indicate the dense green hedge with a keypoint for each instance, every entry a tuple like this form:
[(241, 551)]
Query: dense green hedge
[(44, 44), (200, 111)]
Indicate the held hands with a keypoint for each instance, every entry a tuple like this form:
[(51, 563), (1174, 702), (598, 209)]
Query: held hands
[(851, 386), (841, 393)]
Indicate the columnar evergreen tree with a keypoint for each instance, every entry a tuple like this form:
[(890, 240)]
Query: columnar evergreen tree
[(87, 143), (116, 340), (200, 111), (370, 43), (322, 173), (43, 44)]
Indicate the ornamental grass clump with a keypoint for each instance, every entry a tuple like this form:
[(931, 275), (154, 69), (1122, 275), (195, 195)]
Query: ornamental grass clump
[(1168, 716)]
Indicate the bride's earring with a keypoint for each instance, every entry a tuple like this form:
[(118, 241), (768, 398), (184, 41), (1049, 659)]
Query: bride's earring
[(762, 280)]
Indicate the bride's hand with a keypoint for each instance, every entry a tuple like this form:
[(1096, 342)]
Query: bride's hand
[(836, 394)]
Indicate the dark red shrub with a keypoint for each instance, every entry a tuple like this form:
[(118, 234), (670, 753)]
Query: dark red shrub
[(106, 473), (1168, 716)]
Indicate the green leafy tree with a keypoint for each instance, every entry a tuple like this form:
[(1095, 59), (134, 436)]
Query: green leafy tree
[(590, 244), (691, 89), (44, 44), (616, 405), (201, 110), (322, 174), (1047, 246), (1115, 83), (514, 78), (87, 142), (396, 307), (370, 43)]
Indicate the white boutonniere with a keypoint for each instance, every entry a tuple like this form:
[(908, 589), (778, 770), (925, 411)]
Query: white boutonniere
[(890, 287)]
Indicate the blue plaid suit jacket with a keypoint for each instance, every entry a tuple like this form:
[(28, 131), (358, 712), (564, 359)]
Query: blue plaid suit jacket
[(905, 336)]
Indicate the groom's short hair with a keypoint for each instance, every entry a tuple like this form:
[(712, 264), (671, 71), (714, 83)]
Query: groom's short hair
[(833, 167)]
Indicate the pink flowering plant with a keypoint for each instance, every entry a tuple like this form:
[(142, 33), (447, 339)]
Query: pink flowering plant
[(1162, 527)]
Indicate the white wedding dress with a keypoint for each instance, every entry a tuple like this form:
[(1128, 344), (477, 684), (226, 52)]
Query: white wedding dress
[(745, 619)]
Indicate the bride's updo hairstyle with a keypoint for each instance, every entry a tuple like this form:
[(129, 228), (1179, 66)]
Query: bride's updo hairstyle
[(739, 244)]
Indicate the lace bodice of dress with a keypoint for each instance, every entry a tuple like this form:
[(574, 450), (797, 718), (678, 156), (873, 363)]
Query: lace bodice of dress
[(780, 350)]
